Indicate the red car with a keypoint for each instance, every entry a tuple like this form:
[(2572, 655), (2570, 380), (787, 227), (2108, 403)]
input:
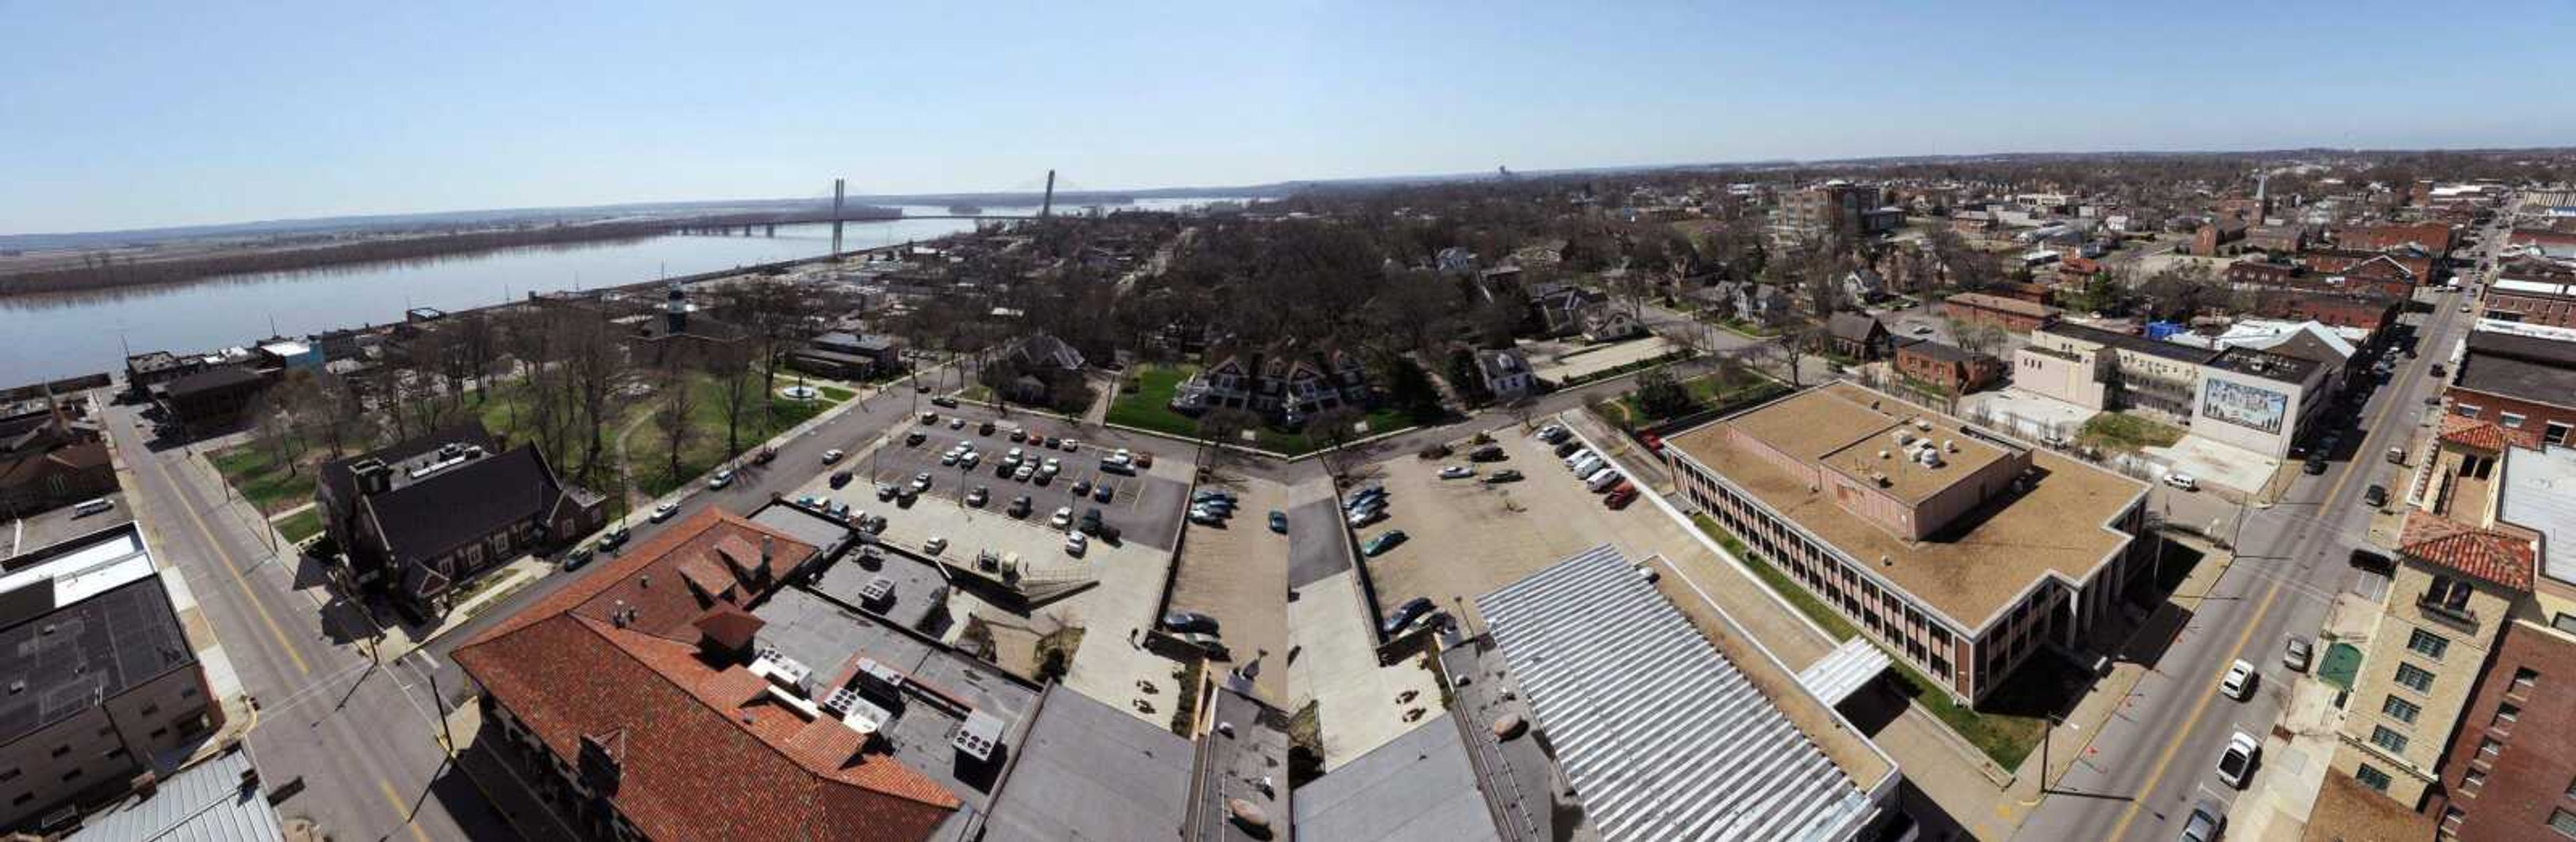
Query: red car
[(1654, 443), (1620, 499)]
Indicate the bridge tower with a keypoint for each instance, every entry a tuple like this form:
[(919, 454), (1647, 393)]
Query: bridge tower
[(1049, 204), (836, 217)]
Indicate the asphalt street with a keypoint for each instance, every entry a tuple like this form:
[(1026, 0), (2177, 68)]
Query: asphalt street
[(2155, 758)]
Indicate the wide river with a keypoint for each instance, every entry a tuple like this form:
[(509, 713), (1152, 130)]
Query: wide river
[(50, 336)]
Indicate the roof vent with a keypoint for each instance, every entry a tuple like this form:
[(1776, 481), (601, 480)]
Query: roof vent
[(1951, 445)]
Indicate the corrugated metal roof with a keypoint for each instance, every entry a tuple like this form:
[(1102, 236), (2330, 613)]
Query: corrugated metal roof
[(1663, 737), (1844, 671), (206, 803)]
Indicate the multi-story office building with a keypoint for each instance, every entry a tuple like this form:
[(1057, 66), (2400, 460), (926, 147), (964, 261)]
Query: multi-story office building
[(1958, 550), (1835, 205), (2100, 369)]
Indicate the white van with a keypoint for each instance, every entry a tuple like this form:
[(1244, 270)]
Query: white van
[(1591, 462), (91, 507), (1602, 481), (1577, 458)]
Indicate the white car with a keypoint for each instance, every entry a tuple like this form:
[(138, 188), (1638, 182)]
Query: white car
[(1024, 473), (970, 459), (1922, 330), (1071, 445), (957, 423), (1122, 456), (921, 481), (833, 455), (1013, 457), (1457, 472), (721, 479), (977, 497), (2239, 682), (2236, 761), (1075, 543), (1062, 518), (2182, 481), (950, 457), (665, 511), (934, 546)]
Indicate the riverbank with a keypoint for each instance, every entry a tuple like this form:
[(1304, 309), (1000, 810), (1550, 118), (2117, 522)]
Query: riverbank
[(105, 270)]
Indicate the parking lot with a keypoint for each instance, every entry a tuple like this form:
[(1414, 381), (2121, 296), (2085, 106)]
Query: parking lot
[(1237, 573), (1146, 508), (1468, 538)]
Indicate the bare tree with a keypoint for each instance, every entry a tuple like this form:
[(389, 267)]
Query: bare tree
[(734, 390), (679, 402), (1793, 347), (597, 369)]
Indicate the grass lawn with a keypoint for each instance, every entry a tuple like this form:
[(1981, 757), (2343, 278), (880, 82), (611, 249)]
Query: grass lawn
[(1708, 390), (301, 525), (2006, 738), (647, 451), (271, 487), (837, 394), (2119, 431)]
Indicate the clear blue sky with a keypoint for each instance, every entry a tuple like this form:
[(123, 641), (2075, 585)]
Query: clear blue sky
[(120, 115)]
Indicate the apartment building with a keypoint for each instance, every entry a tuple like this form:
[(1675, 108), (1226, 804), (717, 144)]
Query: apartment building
[(1958, 550), (1814, 211), (2454, 713), (2260, 400), (100, 677)]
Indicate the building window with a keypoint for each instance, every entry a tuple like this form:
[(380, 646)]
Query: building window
[(2428, 644), (2489, 747), (2448, 595), (2471, 780), (2415, 678), (2400, 710), (2513, 420), (2387, 738), (2370, 776), (2466, 410), (2557, 433), (2506, 714), (2523, 679), (2564, 822), (2564, 622)]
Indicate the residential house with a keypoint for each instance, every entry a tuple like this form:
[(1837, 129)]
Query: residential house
[(1763, 304), (1286, 382), (1558, 307), (1610, 323), (1864, 286), (1858, 336), (420, 518), (1506, 373), (1955, 370), (1042, 351)]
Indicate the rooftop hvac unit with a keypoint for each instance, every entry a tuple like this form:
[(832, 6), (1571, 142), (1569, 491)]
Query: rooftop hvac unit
[(879, 680), (1903, 438), (878, 590), (1923, 425), (978, 736), (1951, 445)]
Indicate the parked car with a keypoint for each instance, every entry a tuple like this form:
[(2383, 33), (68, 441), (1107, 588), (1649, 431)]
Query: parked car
[(957, 423), (1101, 493), (1207, 644), (1502, 476), (1654, 443), (935, 546), (1053, 442), (832, 455), (840, 478), (944, 400), (1189, 622), (1577, 458), (2375, 496), (1090, 524), (885, 491), (1025, 473), (1487, 453), (2182, 481), (1019, 506), (1365, 517), (1404, 615), (1383, 542), (913, 439), (1081, 487), (2204, 823), (664, 511), (1279, 521), (977, 496), (1019, 435), (2313, 466), (575, 559), (1062, 519), (921, 482), (1620, 499), (721, 479), (929, 418), (1602, 481), (1075, 543), (2397, 455), (2297, 653), (968, 460), (984, 429), (1567, 448), (1457, 472), (614, 538), (2236, 761), (2239, 681)]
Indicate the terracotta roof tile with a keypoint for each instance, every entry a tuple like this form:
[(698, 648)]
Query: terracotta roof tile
[(705, 753), (2483, 553), (2488, 436)]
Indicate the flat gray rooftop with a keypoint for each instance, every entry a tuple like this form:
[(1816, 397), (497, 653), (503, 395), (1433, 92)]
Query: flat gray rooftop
[(1090, 771), (1419, 788)]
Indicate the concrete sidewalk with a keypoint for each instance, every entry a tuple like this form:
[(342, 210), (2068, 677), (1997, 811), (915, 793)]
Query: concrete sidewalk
[(2300, 750)]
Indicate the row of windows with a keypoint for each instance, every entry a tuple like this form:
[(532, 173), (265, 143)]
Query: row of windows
[(1884, 611)]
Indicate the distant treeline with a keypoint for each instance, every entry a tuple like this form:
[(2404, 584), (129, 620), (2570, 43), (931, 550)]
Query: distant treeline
[(116, 271)]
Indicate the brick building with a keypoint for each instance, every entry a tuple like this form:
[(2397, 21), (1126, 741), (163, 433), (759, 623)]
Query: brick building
[(2012, 314), (1957, 550), (2366, 310), (2223, 235), (2533, 291), (2396, 272), (2520, 382), (1950, 367), (2435, 238)]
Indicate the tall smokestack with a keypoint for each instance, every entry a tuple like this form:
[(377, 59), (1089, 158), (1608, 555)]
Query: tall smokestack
[(1049, 205), (836, 217)]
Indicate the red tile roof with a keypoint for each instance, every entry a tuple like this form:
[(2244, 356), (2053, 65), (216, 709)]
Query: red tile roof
[(2488, 436), (707, 752), (2483, 553)]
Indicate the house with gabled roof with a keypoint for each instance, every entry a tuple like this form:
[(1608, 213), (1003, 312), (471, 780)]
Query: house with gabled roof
[(1286, 382)]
